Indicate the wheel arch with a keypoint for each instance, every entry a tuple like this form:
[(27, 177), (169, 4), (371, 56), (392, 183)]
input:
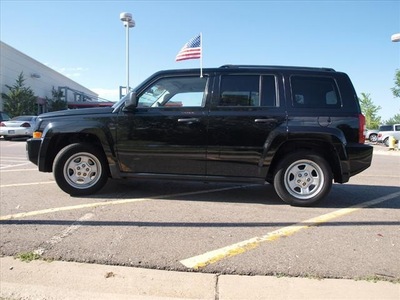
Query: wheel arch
[(322, 148), (57, 142)]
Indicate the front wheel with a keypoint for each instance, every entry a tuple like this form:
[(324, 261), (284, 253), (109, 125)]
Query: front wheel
[(303, 178), (80, 169), (386, 142), (373, 138)]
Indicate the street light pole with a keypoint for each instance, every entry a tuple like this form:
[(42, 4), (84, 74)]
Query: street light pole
[(128, 22)]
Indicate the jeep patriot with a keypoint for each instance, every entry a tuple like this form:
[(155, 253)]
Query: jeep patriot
[(297, 128)]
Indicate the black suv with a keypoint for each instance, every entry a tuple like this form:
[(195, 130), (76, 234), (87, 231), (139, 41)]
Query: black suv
[(297, 128)]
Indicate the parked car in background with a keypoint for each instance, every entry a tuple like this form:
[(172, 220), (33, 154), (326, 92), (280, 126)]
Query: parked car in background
[(21, 126), (385, 131), (4, 116), (372, 135)]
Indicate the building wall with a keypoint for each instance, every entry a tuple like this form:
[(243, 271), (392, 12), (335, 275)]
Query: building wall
[(40, 78)]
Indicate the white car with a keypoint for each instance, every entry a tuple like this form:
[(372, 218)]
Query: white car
[(21, 126), (385, 131)]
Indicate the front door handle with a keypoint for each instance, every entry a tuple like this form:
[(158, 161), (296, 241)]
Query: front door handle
[(265, 120), (189, 120)]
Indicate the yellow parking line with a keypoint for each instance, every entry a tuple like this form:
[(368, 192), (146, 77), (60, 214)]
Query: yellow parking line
[(98, 204), (214, 256)]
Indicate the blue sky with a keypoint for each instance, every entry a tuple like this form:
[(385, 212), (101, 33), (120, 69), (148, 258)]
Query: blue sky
[(85, 40)]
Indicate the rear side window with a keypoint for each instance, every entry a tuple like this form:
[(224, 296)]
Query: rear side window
[(247, 90), (386, 128), (314, 92)]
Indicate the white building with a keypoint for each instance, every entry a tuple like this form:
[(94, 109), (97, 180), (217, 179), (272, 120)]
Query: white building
[(41, 79)]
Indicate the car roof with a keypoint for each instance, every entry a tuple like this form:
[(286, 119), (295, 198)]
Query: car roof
[(250, 68), (23, 118)]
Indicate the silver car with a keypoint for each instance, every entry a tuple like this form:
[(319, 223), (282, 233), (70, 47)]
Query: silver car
[(21, 126)]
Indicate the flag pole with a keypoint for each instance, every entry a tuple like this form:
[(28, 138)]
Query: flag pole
[(201, 55)]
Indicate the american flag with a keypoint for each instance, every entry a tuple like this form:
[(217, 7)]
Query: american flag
[(191, 50)]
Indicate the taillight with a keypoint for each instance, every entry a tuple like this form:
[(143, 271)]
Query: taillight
[(26, 125), (361, 129), (2, 124)]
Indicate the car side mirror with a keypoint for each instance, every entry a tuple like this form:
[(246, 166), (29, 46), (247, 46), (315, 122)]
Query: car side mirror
[(131, 102)]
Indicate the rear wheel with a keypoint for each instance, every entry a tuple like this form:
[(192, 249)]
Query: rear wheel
[(80, 169), (303, 178)]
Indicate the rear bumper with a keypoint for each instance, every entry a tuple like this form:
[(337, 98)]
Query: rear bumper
[(359, 156)]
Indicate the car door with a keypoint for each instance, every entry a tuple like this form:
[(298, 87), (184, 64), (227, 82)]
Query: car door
[(246, 109), (166, 133)]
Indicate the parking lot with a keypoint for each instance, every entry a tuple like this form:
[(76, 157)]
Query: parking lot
[(213, 228)]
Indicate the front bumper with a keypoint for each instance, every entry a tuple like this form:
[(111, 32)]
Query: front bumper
[(32, 149)]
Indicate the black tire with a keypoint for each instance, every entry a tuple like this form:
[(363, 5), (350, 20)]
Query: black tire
[(303, 178), (373, 138), (386, 142), (80, 169)]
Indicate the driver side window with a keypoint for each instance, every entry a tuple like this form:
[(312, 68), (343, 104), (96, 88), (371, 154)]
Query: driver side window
[(175, 92)]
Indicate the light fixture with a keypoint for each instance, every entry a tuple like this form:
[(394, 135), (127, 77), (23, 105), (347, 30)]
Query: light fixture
[(396, 37)]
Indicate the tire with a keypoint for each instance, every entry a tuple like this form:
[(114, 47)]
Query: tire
[(386, 142), (80, 169), (303, 178), (373, 138)]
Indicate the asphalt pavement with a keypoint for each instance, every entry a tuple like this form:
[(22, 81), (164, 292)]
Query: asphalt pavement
[(40, 279)]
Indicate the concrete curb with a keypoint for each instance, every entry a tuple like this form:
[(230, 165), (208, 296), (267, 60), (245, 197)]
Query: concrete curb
[(69, 280)]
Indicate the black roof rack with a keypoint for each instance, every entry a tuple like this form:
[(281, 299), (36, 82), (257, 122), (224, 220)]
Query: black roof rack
[(275, 67)]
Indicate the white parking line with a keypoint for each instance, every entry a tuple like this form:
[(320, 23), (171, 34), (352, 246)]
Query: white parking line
[(26, 184), (17, 170), (214, 256), (13, 165), (98, 204), (65, 233)]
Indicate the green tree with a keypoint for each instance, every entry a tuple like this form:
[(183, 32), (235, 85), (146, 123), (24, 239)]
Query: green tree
[(20, 100), (396, 88), (370, 110), (393, 120), (56, 102)]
